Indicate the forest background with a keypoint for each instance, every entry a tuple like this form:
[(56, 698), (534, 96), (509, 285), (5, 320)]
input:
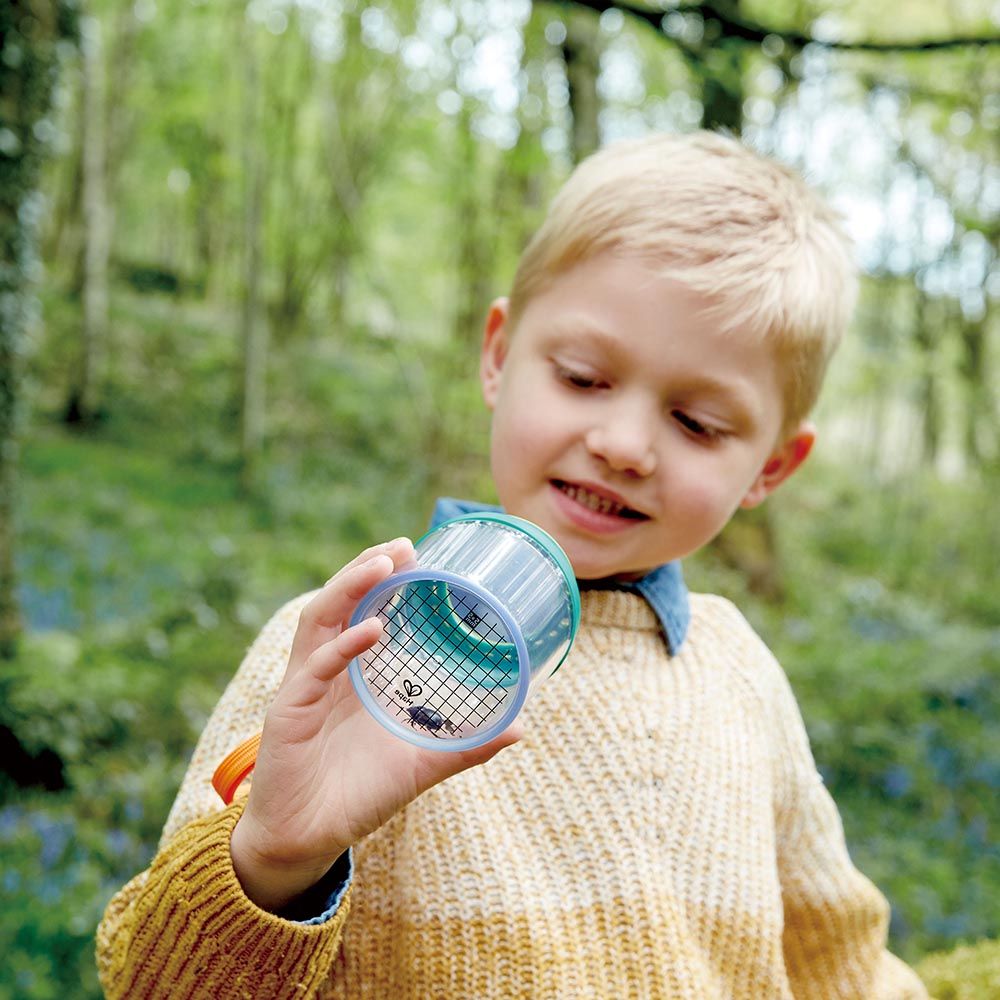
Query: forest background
[(247, 252)]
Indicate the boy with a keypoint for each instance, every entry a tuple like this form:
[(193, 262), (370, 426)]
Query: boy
[(660, 829)]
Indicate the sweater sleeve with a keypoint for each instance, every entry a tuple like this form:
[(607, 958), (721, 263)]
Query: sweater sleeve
[(836, 920), (184, 927)]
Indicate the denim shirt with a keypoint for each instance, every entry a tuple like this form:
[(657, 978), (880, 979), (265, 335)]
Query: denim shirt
[(663, 588)]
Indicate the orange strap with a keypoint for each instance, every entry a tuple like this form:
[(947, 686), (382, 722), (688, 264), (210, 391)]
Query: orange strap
[(235, 767)]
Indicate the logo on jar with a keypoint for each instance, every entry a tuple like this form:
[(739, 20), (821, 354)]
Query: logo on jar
[(409, 692)]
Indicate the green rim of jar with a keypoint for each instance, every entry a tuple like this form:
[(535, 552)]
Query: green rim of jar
[(542, 540)]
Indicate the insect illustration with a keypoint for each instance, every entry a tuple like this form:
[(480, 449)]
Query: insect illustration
[(426, 718)]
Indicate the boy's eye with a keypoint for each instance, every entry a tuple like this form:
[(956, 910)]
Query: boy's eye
[(574, 378), (695, 427)]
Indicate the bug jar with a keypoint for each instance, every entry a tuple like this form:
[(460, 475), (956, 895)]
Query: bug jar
[(488, 611)]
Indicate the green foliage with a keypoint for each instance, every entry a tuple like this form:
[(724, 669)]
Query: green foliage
[(142, 569), (111, 707), (970, 973)]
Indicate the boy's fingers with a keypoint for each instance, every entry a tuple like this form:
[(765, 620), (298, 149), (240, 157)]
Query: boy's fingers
[(309, 684), (330, 659), (399, 550), (334, 604)]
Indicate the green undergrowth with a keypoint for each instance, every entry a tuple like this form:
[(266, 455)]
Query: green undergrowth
[(970, 972)]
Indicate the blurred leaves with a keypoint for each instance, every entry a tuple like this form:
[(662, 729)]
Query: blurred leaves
[(969, 973)]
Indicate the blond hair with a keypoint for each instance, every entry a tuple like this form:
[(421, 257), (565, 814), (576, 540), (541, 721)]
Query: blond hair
[(735, 226)]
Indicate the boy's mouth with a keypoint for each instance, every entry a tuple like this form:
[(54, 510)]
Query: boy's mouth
[(598, 502)]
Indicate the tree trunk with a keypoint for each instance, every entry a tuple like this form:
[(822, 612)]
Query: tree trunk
[(252, 326), (84, 401), (750, 542), (27, 84), (62, 237), (474, 244), (289, 77), (978, 410), (581, 52), (722, 82), (928, 405), (345, 150), (10, 616), (749, 545), (521, 181)]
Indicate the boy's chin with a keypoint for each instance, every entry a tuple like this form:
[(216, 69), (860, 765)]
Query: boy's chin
[(590, 567)]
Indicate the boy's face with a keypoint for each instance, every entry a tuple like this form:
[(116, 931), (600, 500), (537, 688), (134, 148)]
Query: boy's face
[(625, 422)]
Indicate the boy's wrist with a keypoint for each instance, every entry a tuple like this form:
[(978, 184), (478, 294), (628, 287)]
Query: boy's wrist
[(270, 882)]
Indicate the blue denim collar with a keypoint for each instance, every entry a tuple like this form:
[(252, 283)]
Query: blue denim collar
[(663, 588)]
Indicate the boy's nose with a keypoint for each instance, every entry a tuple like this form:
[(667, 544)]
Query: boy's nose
[(625, 445)]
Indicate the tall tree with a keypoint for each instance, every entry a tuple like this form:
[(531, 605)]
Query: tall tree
[(30, 33), (521, 183), (365, 112), (293, 194), (253, 326), (582, 53), (84, 397), (475, 242), (926, 322), (720, 60)]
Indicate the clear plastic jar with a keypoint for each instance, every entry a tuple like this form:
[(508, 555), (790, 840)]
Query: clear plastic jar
[(490, 610)]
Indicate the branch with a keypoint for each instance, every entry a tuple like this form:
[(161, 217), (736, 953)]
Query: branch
[(751, 31)]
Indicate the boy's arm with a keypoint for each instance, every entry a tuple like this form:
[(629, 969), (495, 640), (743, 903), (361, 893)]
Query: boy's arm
[(184, 927), (836, 921)]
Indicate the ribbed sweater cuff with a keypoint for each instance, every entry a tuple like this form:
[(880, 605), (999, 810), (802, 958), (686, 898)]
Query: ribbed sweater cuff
[(194, 933)]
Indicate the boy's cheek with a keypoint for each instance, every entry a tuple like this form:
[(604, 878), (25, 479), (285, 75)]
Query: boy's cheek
[(528, 420), (701, 498)]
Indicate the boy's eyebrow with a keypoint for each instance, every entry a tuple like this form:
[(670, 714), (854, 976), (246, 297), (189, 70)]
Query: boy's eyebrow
[(578, 328)]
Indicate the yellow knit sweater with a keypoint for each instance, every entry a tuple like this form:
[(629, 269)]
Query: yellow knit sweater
[(660, 832)]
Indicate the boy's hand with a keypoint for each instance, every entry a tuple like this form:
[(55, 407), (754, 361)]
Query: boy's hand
[(327, 773)]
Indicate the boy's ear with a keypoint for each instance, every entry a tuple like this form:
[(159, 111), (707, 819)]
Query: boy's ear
[(494, 350), (781, 463)]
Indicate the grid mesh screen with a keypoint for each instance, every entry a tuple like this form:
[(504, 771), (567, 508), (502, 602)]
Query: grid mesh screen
[(434, 668)]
